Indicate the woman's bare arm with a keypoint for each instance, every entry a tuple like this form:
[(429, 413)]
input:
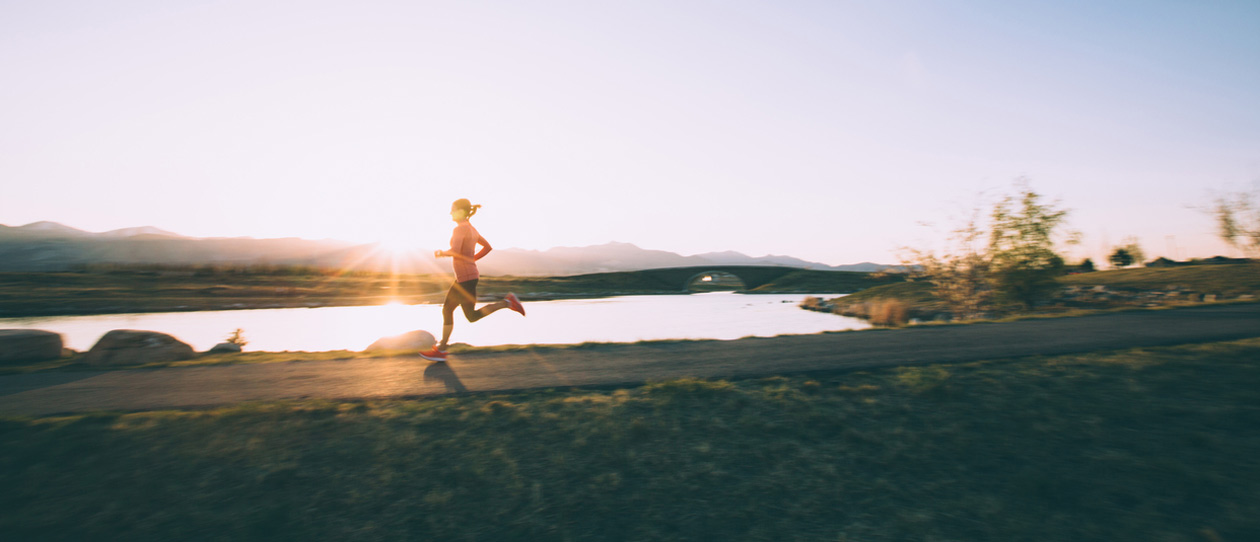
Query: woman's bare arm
[(486, 248), (452, 254), (458, 256)]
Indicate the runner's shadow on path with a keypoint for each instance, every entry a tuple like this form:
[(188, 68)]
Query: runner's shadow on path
[(442, 372)]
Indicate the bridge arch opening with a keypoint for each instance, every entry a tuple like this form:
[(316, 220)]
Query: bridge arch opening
[(715, 281)]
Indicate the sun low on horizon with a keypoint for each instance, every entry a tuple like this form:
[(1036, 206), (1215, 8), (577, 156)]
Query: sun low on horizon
[(399, 245), (825, 131)]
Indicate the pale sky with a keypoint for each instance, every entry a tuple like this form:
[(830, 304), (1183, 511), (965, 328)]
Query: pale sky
[(822, 130)]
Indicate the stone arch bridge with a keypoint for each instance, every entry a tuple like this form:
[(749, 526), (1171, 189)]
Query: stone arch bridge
[(679, 278)]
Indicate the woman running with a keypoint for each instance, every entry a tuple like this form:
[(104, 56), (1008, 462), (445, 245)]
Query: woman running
[(464, 292)]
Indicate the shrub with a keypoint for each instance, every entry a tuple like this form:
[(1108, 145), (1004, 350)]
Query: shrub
[(887, 312), (1022, 247)]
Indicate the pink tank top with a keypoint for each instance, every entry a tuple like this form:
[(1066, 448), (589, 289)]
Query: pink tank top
[(464, 243)]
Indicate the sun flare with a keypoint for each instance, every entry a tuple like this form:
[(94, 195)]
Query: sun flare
[(397, 245)]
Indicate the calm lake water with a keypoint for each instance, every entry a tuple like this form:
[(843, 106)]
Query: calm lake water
[(614, 319)]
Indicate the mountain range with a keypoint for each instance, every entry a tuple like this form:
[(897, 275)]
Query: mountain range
[(50, 246)]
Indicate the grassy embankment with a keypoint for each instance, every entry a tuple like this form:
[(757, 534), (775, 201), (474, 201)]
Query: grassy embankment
[(1155, 444), (138, 290), (1121, 289)]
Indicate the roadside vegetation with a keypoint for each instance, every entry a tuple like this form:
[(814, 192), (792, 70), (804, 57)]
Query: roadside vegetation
[(1074, 294), (1005, 255), (1155, 444), (1004, 262)]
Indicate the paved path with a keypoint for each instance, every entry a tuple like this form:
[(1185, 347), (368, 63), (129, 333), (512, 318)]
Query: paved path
[(47, 393)]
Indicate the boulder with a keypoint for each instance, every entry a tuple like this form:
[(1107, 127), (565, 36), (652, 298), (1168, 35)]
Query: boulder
[(412, 340), (29, 345), (225, 348), (129, 347)]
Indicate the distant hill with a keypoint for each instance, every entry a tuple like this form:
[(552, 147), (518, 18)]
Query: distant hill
[(49, 246), (53, 229), (133, 232), (41, 229), (731, 257)]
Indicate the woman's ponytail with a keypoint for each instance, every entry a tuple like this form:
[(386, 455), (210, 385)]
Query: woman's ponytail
[(463, 203)]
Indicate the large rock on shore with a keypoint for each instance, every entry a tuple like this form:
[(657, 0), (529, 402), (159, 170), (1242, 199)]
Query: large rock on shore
[(412, 340), (130, 347), (29, 345), (225, 348)]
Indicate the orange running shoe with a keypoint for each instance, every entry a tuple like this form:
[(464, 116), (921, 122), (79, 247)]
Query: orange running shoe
[(433, 354), (515, 304)]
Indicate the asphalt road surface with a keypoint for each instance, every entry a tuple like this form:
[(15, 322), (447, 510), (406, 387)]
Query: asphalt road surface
[(191, 387)]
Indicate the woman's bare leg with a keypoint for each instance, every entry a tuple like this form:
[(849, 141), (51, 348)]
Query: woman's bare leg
[(446, 336), (473, 316)]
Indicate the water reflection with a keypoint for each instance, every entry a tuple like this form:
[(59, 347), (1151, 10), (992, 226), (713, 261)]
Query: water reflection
[(615, 319)]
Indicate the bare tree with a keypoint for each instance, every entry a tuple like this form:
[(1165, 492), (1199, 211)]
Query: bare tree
[(1238, 221)]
